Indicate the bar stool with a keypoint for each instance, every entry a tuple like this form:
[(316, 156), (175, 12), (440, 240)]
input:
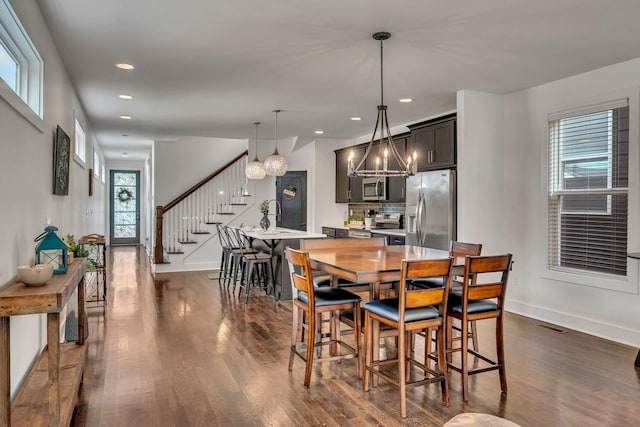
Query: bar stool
[(481, 298), (225, 261), (255, 266), (415, 310), (311, 302)]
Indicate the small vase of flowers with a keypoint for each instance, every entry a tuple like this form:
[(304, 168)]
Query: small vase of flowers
[(264, 210)]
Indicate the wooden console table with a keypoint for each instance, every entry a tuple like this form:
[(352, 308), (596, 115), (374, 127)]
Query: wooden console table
[(97, 291), (50, 391)]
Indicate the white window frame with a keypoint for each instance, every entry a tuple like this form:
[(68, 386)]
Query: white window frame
[(80, 145), (27, 98), (630, 283), (103, 171), (96, 164)]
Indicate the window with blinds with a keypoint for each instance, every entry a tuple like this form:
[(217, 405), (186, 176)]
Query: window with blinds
[(588, 189)]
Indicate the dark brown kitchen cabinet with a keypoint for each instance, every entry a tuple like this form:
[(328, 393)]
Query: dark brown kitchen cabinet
[(348, 189), (434, 144), (396, 186)]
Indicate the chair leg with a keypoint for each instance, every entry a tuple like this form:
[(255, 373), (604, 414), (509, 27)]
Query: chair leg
[(356, 331), (368, 348), (465, 360), (449, 338), (500, 352), (474, 335), (294, 334), (375, 353), (442, 364), (223, 266), (311, 339), (402, 366)]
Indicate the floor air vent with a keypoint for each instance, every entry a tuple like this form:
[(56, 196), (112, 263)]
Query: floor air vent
[(554, 329)]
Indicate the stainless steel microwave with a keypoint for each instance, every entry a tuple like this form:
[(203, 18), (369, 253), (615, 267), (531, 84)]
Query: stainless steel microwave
[(374, 189)]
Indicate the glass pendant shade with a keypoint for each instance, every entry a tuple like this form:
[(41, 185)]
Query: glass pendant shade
[(255, 168), (276, 164)]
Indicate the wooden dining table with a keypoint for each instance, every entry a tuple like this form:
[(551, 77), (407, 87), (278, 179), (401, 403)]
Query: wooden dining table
[(369, 265)]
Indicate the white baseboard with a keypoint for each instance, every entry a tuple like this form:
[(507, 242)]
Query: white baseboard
[(618, 333)]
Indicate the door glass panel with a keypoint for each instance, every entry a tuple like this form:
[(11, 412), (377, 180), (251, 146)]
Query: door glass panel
[(125, 204)]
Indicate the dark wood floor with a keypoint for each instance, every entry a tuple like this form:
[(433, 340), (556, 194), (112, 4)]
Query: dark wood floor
[(182, 351)]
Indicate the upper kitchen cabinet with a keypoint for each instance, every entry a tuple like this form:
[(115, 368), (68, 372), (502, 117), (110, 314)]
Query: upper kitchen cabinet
[(435, 143), (396, 186), (348, 189)]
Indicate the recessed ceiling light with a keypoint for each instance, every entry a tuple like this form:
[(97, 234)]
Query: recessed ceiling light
[(125, 134), (124, 66), (125, 154), (405, 100), (125, 96), (319, 132), (356, 119), (123, 117)]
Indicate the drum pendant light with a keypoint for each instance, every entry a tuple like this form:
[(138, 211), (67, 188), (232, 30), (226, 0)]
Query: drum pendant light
[(255, 168), (276, 164)]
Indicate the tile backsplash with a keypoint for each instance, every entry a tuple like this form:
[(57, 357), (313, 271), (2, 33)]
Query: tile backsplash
[(359, 210)]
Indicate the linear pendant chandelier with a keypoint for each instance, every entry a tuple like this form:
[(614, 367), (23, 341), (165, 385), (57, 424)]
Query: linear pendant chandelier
[(255, 168), (276, 164), (368, 167)]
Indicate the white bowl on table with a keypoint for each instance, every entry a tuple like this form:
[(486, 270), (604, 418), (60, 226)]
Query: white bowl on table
[(35, 275)]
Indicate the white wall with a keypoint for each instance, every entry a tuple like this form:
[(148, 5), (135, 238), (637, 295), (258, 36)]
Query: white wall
[(182, 164), (502, 146), (26, 193)]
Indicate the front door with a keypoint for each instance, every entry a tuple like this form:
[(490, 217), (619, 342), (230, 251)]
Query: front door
[(291, 193), (125, 207)]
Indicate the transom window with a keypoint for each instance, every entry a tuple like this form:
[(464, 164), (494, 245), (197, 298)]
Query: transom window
[(588, 190), (80, 144), (21, 66), (8, 67)]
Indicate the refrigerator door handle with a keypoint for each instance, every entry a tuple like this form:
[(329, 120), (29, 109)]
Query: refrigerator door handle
[(419, 220), (422, 220)]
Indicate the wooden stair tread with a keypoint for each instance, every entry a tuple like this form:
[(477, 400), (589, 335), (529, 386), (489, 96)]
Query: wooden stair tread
[(174, 253), (225, 213), (187, 242), (31, 406), (213, 223), (238, 204), (200, 232)]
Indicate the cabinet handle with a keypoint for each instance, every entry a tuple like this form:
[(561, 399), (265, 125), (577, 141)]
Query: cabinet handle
[(348, 194)]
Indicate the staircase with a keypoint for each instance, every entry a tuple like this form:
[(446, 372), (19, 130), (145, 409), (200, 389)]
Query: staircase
[(186, 236)]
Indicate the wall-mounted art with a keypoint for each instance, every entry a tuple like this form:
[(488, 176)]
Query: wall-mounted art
[(61, 156)]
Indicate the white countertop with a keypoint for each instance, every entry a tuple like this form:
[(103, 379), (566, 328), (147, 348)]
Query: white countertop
[(280, 234), (387, 231)]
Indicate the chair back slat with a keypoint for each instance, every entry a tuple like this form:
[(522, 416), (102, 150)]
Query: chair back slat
[(424, 269), (424, 297), (477, 267), (300, 269)]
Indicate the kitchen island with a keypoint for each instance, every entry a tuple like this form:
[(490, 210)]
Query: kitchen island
[(275, 241)]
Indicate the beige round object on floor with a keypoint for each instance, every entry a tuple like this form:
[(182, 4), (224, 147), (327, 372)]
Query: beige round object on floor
[(479, 420)]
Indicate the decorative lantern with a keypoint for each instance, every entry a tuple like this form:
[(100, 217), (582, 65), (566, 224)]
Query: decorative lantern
[(52, 250)]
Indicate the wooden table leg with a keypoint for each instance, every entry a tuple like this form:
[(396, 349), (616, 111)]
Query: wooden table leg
[(5, 372), (53, 356), (81, 310)]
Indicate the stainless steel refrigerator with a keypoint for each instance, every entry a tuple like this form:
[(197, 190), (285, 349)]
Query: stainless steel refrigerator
[(431, 209)]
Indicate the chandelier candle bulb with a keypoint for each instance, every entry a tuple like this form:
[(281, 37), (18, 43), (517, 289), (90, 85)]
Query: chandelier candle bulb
[(385, 161)]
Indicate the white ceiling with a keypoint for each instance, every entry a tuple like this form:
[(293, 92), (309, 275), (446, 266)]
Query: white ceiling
[(211, 68)]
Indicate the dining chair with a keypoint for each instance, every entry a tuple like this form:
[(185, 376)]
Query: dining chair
[(256, 267), (414, 310), (309, 303), (457, 250), (481, 297)]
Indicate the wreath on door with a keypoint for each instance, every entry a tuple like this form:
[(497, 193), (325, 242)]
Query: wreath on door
[(124, 195)]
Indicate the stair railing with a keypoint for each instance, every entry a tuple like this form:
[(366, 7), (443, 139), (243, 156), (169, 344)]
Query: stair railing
[(201, 204)]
